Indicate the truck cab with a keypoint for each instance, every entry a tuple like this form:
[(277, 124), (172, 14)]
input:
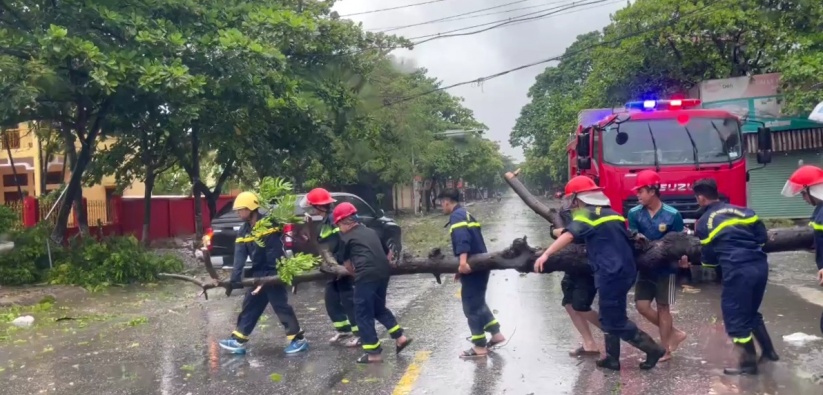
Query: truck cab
[(679, 140)]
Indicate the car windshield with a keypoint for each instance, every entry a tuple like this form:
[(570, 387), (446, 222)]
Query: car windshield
[(716, 140)]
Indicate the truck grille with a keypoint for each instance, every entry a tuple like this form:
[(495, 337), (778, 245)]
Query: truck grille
[(686, 205)]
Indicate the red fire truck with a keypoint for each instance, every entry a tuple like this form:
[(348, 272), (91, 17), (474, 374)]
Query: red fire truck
[(677, 138)]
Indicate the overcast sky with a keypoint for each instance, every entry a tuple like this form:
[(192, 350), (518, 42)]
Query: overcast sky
[(496, 102)]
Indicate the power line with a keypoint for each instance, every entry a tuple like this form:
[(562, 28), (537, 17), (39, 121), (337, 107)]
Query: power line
[(467, 15), (392, 8), (555, 58), (542, 14)]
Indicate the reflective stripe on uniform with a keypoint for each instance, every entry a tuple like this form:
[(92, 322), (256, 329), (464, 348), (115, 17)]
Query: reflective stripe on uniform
[(468, 223), (742, 340), (725, 224), (341, 324), (239, 335), (327, 231), (370, 347), (600, 221), (394, 329), (708, 265), (493, 322), (816, 226)]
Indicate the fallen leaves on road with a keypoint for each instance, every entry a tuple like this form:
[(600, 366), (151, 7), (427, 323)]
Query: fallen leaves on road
[(276, 377)]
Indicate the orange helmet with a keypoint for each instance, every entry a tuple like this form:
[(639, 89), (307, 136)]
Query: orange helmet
[(580, 184), (807, 178), (647, 178), (319, 197), (342, 211)]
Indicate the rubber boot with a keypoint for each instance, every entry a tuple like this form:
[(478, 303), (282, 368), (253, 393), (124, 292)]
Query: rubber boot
[(612, 359), (653, 351), (747, 362), (762, 336)]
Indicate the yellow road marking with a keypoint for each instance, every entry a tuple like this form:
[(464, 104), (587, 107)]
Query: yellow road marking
[(406, 383)]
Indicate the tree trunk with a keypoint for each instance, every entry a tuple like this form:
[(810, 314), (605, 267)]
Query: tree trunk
[(150, 178), (11, 162), (195, 178)]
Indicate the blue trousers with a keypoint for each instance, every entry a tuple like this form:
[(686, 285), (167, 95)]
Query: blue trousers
[(473, 296), (613, 291), (339, 298), (254, 305), (743, 290), (370, 305)]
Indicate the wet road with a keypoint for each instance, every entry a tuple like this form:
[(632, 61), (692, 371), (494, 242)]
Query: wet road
[(173, 350)]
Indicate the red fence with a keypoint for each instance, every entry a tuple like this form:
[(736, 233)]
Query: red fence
[(170, 216)]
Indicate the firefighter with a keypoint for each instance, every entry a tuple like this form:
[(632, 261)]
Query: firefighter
[(732, 236), (467, 240), (653, 219), (264, 247), (611, 256), (368, 259), (339, 291), (578, 295), (808, 182)]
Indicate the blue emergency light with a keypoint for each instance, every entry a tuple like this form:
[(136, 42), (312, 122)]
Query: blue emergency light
[(650, 105)]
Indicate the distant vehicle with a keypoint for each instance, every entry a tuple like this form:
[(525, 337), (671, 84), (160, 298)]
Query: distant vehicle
[(220, 237)]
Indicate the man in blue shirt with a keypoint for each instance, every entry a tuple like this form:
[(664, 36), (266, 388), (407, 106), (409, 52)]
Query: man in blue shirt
[(467, 240), (732, 237), (653, 219)]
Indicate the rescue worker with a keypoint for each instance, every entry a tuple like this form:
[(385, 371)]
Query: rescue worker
[(339, 291), (467, 240), (611, 255), (368, 259), (578, 295), (808, 182), (264, 248), (653, 219), (732, 236)]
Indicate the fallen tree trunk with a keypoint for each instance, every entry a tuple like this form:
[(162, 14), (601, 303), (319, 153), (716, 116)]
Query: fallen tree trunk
[(520, 256)]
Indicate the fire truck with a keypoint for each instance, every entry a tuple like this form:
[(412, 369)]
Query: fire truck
[(677, 138)]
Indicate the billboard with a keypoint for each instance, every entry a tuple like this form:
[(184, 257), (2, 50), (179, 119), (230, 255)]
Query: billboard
[(756, 98)]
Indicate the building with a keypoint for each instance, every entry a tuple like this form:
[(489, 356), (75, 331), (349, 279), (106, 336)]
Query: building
[(795, 140), (28, 155)]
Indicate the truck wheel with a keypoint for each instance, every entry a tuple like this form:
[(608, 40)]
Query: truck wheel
[(395, 247)]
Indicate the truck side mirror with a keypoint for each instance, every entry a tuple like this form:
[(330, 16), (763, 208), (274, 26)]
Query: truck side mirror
[(584, 163), (583, 148), (764, 145)]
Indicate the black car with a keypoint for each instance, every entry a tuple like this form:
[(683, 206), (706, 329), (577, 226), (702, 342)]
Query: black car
[(219, 239)]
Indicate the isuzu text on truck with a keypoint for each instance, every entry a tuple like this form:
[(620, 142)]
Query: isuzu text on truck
[(676, 138)]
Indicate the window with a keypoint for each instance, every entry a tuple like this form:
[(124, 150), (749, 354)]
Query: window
[(10, 137), (13, 196), (54, 177), (672, 142), (9, 180), (363, 209)]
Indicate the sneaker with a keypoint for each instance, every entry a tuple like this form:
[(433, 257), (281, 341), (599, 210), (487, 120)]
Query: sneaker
[(339, 336), (297, 346), (233, 346)]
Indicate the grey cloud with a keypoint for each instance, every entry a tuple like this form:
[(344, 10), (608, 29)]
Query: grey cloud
[(496, 102)]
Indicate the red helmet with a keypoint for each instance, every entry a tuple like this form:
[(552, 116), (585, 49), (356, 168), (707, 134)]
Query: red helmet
[(580, 184), (342, 211), (801, 179), (319, 197), (646, 178)]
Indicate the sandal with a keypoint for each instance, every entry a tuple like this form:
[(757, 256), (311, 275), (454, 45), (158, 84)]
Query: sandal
[(492, 343), (470, 353), (582, 352), (339, 336), (400, 347), (365, 359), (353, 342)]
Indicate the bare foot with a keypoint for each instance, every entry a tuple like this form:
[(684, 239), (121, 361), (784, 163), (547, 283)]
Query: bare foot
[(667, 356), (496, 340), (677, 338), (375, 358)]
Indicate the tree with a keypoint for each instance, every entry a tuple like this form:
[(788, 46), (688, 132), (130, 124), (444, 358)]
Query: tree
[(802, 65)]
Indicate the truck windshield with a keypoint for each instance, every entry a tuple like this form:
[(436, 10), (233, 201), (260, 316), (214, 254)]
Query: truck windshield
[(717, 140)]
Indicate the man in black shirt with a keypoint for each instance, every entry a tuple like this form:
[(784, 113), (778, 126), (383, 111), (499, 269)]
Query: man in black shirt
[(368, 258)]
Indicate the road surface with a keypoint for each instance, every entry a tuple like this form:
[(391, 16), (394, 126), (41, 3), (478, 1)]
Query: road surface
[(172, 348)]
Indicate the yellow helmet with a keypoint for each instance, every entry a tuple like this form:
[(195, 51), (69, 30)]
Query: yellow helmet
[(247, 200)]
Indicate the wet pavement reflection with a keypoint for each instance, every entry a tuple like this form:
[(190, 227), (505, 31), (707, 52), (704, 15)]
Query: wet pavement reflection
[(175, 351)]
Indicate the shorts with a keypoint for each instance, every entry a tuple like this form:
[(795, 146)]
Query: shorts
[(662, 289), (578, 291)]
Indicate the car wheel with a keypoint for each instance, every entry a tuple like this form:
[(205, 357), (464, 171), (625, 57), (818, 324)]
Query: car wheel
[(395, 247)]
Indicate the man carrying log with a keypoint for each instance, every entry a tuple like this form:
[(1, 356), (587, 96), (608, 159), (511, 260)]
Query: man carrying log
[(653, 220), (264, 246), (611, 255), (339, 290), (808, 182), (467, 240), (368, 259), (578, 295), (732, 237)]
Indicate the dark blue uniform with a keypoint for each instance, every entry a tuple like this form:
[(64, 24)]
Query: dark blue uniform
[(467, 238), (578, 287), (611, 257), (339, 291), (263, 263), (817, 224), (732, 237)]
